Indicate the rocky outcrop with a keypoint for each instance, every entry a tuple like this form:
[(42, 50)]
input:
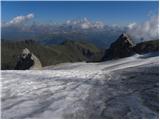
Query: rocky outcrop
[(147, 46), (28, 60), (122, 47)]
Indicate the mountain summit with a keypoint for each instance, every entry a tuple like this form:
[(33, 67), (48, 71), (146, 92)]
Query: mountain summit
[(124, 38), (122, 47)]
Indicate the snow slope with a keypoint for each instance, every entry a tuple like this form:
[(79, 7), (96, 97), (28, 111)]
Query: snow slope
[(124, 88)]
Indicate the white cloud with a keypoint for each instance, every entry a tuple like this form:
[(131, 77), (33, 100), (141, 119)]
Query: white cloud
[(131, 25), (99, 25), (147, 30), (85, 24), (19, 20)]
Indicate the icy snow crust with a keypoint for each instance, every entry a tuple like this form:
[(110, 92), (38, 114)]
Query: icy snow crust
[(124, 88)]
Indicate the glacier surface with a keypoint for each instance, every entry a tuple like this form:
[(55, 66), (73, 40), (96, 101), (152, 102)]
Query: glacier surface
[(124, 88)]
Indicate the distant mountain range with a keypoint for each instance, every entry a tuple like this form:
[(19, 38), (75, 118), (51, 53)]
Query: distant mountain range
[(98, 33), (99, 37), (95, 32)]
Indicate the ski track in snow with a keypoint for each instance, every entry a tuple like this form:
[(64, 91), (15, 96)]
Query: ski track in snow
[(124, 88)]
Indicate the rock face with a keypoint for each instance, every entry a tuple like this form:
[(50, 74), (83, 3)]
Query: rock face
[(28, 60), (147, 46), (122, 47)]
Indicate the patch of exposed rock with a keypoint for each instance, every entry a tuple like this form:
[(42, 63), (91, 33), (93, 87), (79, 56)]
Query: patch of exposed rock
[(147, 46), (122, 47), (28, 60)]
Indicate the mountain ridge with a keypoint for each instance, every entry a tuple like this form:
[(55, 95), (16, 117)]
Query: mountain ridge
[(69, 51), (74, 51)]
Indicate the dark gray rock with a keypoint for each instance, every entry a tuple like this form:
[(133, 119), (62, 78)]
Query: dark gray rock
[(122, 47), (28, 60), (147, 46)]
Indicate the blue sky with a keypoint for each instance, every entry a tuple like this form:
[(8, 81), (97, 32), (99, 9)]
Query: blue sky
[(120, 13)]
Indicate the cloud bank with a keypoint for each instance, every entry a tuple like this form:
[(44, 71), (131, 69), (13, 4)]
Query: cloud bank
[(19, 20), (147, 30)]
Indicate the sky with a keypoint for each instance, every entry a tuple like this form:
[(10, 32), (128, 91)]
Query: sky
[(139, 19), (119, 13)]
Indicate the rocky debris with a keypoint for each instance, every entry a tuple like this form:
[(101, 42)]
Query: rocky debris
[(122, 47), (28, 60)]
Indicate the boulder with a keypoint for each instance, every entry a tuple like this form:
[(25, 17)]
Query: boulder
[(122, 47), (28, 60)]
